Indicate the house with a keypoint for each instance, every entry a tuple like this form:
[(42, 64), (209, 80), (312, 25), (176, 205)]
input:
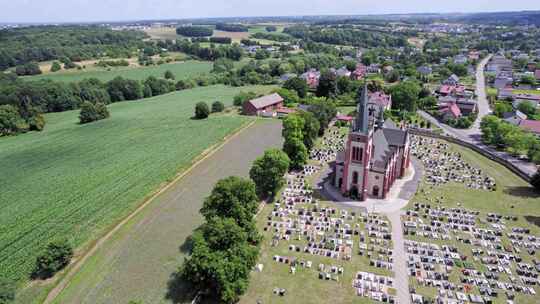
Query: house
[(312, 78), (466, 106), (474, 55), (456, 90), (537, 74), (360, 72), (380, 101), (531, 66), (505, 94), (449, 111), (263, 106), (287, 76), (460, 59), (531, 126), (374, 157), (344, 118), (425, 70), (453, 80), (374, 68), (343, 72), (499, 63), (503, 82), (514, 118)]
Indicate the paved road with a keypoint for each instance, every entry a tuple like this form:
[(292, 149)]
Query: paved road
[(136, 263), (474, 134)]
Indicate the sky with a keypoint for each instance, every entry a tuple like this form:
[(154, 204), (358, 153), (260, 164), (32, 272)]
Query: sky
[(51, 11)]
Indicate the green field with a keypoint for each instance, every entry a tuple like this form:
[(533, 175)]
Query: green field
[(181, 70), (74, 180)]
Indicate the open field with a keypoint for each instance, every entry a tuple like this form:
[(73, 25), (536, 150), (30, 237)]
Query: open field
[(74, 180), (138, 261), (513, 197), (531, 92), (181, 70), (235, 36), (162, 33)]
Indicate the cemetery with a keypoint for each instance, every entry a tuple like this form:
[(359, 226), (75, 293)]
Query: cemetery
[(460, 246)]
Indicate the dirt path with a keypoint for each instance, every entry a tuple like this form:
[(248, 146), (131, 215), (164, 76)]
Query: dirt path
[(136, 259), (401, 279)]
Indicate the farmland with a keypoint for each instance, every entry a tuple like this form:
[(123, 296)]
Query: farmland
[(181, 70), (136, 264), (74, 180)]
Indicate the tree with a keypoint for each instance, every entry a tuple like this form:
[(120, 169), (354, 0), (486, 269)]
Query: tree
[(290, 97), (297, 152), (233, 197), (327, 85), (55, 66), (242, 97), (30, 68), (324, 112), (392, 76), (217, 106), (297, 84), (427, 103), (169, 75), (310, 129), (90, 112), (11, 121), (222, 65), (501, 108), (201, 110), (267, 172), (405, 96), (271, 28), (7, 291), (56, 256), (527, 108), (194, 31)]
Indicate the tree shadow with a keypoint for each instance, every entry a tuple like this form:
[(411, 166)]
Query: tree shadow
[(179, 290), (522, 191), (186, 247), (533, 220)]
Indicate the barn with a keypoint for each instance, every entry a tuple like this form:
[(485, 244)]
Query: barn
[(264, 105)]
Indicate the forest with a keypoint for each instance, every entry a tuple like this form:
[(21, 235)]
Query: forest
[(76, 43)]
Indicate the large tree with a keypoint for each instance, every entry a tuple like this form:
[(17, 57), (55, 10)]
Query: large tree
[(56, 256), (327, 85), (268, 170), (297, 84), (297, 152), (405, 96)]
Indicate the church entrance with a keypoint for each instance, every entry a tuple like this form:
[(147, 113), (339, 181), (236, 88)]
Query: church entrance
[(376, 191), (354, 192)]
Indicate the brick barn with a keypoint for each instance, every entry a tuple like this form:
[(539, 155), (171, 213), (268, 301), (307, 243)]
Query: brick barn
[(264, 105)]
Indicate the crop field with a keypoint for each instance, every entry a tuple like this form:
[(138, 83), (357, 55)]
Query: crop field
[(181, 70), (137, 263), (75, 180)]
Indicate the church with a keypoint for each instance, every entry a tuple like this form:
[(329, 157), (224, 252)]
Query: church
[(376, 152)]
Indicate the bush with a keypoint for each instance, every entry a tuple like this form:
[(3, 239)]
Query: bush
[(7, 291), (90, 112), (222, 40), (242, 97), (11, 122), (55, 67), (30, 68), (55, 257), (217, 106), (271, 28), (169, 75), (201, 110)]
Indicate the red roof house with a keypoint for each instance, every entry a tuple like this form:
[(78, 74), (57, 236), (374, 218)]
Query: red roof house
[(263, 105), (359, 72), (381, 99), (450, 111), (531, 125)]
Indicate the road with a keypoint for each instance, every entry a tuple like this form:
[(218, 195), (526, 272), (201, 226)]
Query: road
[(474, 134), (138, 261)]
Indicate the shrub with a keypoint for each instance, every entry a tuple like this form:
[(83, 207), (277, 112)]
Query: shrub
[(55, 67), (217, 106), (222, 40), (201, 110), (169, 75), (242, 97), (55, 257), (90, 112), (7, 291)]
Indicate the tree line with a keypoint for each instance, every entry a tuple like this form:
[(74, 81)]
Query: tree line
[(42, 43), (194, 31)]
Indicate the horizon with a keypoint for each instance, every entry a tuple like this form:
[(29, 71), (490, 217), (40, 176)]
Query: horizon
[(83, 11)]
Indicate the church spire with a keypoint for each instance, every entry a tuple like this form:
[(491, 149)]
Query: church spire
[(362, 120)]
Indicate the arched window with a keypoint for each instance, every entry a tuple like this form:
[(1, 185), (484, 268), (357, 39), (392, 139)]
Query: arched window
[(355, 177)]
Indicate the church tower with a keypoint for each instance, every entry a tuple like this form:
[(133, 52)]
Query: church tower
[(358, 150)]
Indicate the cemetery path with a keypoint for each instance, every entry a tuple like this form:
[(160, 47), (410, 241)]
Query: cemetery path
[(401, 279)]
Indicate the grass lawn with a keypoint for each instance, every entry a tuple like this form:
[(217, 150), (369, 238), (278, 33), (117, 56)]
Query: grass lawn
[(181, 70), (74, 181), (530, 92), (512, 197)]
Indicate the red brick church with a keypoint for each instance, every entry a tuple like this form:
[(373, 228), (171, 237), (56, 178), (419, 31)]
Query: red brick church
[(375, 155)]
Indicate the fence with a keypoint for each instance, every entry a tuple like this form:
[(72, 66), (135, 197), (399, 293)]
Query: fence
[(494, 157)]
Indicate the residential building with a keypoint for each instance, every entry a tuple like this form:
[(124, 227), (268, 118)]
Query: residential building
[(453, 80), (312, 78)]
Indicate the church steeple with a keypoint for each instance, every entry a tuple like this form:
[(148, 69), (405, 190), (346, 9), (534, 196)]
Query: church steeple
[(362, 117)]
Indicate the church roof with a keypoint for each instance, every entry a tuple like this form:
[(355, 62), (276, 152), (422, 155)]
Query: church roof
[(395, 137), (381, 151)]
